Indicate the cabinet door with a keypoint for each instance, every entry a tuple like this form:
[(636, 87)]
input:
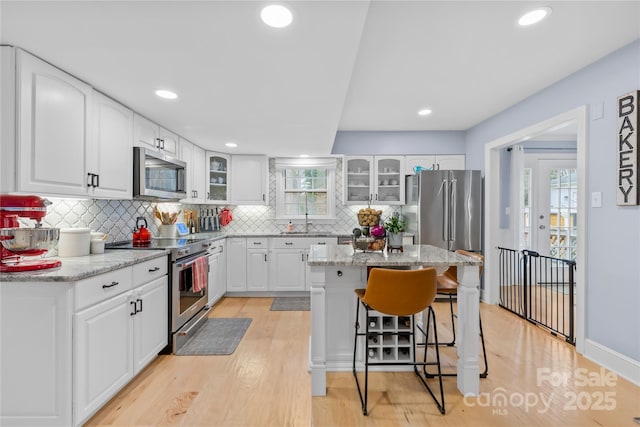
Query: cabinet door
[(54, 115), (257, 269), (236, 264), (424, 162), (198, 174), (36, 354), (168, 142), (150, 334), (102, 353), (287, 272), (214, 277), (389, 180), (450, 162), (110, 149), (146, 133), (218, 177), (186, 155), (249, 178), (358, 173)]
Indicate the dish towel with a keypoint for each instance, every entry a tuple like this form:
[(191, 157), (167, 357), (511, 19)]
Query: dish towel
[(200, 272)]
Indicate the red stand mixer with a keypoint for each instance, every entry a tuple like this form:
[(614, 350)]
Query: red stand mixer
[(19, 242)]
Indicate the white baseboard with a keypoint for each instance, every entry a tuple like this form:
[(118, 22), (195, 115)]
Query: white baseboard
[(610, 359)]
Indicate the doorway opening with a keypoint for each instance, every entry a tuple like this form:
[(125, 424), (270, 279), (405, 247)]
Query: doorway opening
[(497, 234)]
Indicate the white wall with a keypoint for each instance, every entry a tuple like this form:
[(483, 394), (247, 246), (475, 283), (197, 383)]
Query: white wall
[(613, 232)]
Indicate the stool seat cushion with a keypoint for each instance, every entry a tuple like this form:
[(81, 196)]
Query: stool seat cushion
[(446, 284)]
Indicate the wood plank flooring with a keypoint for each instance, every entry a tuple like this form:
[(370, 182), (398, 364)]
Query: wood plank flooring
[(265, 382)]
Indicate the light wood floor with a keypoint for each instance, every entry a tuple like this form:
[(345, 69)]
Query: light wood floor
[(266, 383)]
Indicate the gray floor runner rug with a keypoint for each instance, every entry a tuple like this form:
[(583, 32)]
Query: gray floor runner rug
[(291, 304), (217, 336)]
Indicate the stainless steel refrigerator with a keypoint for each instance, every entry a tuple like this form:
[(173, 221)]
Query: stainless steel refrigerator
[(444, 208)]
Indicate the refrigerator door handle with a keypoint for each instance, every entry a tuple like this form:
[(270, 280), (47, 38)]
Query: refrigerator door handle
[(445, 210), (452, 215)]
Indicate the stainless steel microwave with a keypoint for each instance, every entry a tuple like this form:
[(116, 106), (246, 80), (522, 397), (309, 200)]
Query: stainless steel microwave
[(157, 176)]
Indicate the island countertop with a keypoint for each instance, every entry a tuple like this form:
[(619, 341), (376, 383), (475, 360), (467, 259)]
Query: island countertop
[(412, 255)]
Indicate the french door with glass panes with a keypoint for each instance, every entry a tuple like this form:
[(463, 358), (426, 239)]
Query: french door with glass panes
[(557, 209)]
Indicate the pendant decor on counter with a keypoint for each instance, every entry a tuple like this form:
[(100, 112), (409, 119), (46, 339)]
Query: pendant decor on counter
[(627, 193)]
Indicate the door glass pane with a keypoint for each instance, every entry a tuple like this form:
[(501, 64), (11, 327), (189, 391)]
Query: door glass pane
[(563, 213)]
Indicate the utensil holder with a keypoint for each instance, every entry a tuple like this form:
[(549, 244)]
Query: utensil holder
[(167, 230)]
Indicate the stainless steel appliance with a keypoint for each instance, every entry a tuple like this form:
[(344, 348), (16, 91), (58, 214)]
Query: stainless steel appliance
[(444, 209), (188, 307), (157, 176)]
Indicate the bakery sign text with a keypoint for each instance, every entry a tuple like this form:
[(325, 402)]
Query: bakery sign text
[(627, 127)]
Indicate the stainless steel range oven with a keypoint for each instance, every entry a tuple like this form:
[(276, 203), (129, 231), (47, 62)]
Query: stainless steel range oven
[(188, 285)]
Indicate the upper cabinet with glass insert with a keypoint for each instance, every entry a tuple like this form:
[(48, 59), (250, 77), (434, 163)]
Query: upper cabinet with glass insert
[(218, 177), (374, 179)]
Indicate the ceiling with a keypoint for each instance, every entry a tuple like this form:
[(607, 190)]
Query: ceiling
[(341, 65)]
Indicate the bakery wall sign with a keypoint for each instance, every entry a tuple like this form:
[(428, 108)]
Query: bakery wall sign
[(627, 127)]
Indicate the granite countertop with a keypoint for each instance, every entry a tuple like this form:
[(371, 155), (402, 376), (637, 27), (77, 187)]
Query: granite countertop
[(413, 255), (82, 267)]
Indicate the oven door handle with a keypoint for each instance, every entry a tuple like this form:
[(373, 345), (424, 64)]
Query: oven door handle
[(189, 261)]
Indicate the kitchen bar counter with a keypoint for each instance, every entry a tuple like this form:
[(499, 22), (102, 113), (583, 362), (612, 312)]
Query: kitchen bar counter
[(82, 267), (336, 270)]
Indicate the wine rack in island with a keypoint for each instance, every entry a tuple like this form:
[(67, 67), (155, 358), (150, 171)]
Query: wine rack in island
[(389, 337)]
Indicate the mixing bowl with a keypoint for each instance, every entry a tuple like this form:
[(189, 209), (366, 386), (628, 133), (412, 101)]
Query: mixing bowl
[(29, 240)]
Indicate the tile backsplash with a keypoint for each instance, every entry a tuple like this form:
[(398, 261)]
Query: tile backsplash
[(117, 217)]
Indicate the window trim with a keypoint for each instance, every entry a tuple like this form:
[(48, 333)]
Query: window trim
[(330, 164)]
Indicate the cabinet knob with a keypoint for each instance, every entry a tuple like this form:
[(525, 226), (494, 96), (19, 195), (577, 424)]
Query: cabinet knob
[(339, 273)]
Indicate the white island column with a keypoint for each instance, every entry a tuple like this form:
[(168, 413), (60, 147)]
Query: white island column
[(468, 330)]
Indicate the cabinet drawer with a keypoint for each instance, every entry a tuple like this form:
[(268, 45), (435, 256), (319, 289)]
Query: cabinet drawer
[(289, 243), (149, 270), (257, 243), (321, 241), (99, 288)]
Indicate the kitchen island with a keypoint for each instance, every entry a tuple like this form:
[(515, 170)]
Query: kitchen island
[(336, 270)]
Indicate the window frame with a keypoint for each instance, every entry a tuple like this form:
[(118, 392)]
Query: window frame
[(329, 164)]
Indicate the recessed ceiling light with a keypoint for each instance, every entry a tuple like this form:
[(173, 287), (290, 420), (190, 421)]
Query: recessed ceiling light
[(166, 94), (231, 144), (424, 112), (276, 16), (534, 16), (304, 156)]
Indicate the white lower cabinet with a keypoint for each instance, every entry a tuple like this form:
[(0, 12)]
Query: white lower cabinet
[(289, 261), (103, 352), (217, 271), (236, 264), (257, 264), (86, 340)]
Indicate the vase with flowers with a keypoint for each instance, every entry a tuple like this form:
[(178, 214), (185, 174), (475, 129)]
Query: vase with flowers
[(395, 227)]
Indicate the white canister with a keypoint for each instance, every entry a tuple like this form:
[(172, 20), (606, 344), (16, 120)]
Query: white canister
[(74, 242), (97, 246)]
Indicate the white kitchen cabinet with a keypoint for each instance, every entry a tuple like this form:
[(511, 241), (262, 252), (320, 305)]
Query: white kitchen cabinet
[(289, 261), (249, 180), (53, 116), (217, 271), (109, 149), (70, 140), (236, 264), (194, 156), (257, 264), (373, 179), (102, 355), (435, 162), (118, 336), (218, 166), (36, 353), (148, 134)]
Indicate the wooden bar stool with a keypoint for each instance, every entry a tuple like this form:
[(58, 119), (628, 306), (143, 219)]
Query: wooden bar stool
[(448, 286), (397, 293)]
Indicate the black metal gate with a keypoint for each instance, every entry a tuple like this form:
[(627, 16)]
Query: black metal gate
[(540, 289)]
